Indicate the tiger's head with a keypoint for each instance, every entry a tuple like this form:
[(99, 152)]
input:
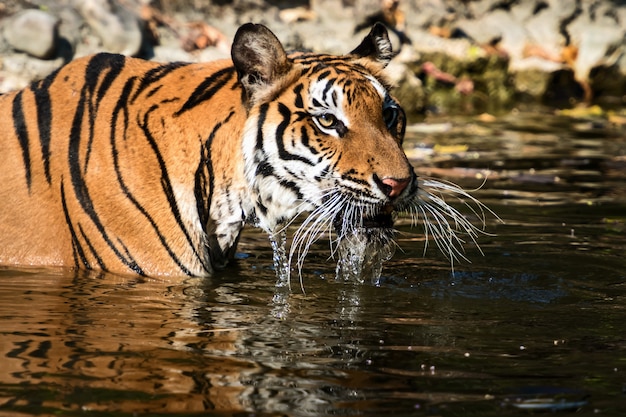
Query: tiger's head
[(324, 136)]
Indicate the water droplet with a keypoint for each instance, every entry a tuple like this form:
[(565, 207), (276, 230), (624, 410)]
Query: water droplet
[(361, 254), (281, 261)]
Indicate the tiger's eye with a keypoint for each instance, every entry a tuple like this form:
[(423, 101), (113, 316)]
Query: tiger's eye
[(327, 120), (390, 116)]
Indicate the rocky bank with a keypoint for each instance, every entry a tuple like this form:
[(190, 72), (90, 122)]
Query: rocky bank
[(453, 56)]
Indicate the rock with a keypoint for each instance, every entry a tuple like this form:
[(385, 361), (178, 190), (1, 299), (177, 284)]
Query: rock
[(69, 31), (493, 53), (34, 32), (17, 70), (531, 83), (408, 88), (296, 14), (457, 49), (426, 13), (10, 81), (117, 26), (599, 40), (543, 30), (497, 27)]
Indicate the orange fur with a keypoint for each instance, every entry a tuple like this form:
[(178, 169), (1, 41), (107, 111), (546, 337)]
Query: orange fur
[(139, 166), (34, 227)]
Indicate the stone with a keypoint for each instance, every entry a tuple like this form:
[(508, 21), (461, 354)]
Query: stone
[(17, 70), (69, 31), (409, 90), (117, 27), (34, 32)]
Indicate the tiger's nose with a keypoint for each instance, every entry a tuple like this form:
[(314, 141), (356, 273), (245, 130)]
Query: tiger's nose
[(392, 187)]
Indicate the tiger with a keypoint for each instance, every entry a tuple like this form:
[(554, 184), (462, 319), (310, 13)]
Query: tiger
[(130, 166)]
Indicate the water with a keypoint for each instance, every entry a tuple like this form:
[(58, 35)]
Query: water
[(538, 322), (360, 257)]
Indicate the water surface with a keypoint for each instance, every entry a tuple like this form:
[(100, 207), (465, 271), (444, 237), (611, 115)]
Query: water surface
[(537, 321)]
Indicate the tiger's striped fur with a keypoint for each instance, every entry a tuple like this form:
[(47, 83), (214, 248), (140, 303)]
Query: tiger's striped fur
[(131, 166)]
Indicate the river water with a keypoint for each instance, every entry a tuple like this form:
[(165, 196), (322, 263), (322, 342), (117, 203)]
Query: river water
[(534, 320)]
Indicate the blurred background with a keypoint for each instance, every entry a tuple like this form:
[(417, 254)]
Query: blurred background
[(523, 102), (454, 56)]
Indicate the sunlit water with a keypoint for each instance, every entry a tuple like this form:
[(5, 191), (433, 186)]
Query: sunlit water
[(535, 322)]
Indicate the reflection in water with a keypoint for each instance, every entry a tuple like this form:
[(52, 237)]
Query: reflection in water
[(538, 321), (529, 158), (150, 345)]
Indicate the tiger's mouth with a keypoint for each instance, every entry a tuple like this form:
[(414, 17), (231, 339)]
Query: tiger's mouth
[(378, 221), (384, 219)]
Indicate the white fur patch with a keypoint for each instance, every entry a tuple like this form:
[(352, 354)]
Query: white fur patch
[(378, 86)]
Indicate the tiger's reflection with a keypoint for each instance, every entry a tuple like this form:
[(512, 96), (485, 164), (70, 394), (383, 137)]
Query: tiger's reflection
[(111, 343)]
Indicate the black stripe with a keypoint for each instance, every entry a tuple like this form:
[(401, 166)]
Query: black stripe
[(355, 180), (329, 84), (154, 91), (264, 169), (207, 89), (323, 174), (78, 182), (317, 64), (299, 116), (324, 74), (120, 107), (563, 24), (304, 138), (297, 90), (293, 187), (93, 251), (166, 183), (129, 256), (204, 182), (261, 206), (259, 125), (280, 137), (154, 75), (349, 95), (96, 66), (19, 124), (203, 185), (321, 59), (78, 252), (44, 120)]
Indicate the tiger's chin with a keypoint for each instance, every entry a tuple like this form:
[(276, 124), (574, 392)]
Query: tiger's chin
[(363, 248)]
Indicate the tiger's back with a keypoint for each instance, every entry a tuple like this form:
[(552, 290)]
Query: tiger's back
[(97, 153)]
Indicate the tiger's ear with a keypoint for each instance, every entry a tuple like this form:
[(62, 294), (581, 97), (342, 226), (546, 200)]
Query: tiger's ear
[(376, 45), (259, 58)]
